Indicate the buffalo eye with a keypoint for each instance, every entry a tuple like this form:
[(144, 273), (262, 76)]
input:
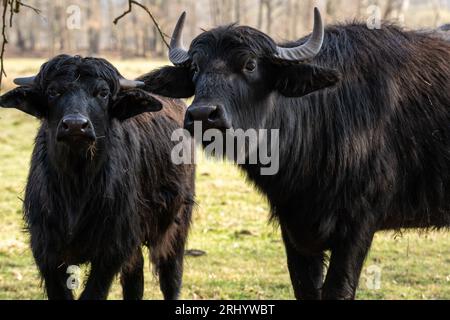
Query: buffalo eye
[(250, 65), (103, 93), (195, 68), (53, 93)]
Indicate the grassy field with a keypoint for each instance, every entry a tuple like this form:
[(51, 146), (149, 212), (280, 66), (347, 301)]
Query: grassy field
[(245, 256)]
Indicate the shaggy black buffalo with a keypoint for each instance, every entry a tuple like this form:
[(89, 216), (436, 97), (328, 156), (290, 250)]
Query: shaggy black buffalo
[(364, 130), (101, 182)]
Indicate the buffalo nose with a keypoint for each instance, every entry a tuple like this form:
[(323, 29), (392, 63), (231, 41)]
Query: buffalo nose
[(211, 117), (75, 126)]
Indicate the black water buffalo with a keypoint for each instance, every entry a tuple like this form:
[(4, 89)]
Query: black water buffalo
[(364, 130), (101, 182)]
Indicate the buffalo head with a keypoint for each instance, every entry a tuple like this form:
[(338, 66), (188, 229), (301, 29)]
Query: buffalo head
[(77, 99), (236, 74)]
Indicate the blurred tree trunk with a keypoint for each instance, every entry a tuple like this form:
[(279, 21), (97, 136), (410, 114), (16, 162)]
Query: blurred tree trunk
[(269, 12), (390, 7), (437, 12), (113, 43), (396, 9), (308, 17), (265, 6), (260, 14), (295, 18), (288, 26), (94, 27), (237, 11), (333, 8), (214, 12), (51, 28), (226, 11), (32, 40), (136, 34), (20, 41), (363, 5)]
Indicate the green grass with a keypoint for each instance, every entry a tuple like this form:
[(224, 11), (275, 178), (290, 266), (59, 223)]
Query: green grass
[(245, 256)]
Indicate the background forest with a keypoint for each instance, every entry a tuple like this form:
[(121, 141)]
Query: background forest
[(86, 27)]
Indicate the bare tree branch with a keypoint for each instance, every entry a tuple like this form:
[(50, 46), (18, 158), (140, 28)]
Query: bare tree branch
[(5, 40), (14, 7), (21, 4), (155, 22)]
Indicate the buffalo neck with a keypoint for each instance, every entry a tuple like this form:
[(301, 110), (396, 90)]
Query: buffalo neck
[(300, 153), (82, 173)]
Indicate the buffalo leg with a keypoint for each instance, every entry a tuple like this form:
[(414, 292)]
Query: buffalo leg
[(99, 281), (306, 272), (346, 263), (132, 277), (55, 280), (170, 270)]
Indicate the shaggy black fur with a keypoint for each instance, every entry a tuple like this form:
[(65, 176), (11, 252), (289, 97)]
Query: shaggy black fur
[(100, 203), (367, 150)]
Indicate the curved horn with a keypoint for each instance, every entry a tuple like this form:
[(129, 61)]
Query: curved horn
[(26, 81), (178, 55), (130, 84), (308, 50)]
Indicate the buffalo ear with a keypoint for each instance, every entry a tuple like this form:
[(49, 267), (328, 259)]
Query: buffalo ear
[(172, 82), (130, 103), (303, 79), (24, 99)]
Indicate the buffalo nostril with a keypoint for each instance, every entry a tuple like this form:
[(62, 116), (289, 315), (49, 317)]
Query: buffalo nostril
[(65, 126), (189, 117), (85, 125), (214, 115)]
